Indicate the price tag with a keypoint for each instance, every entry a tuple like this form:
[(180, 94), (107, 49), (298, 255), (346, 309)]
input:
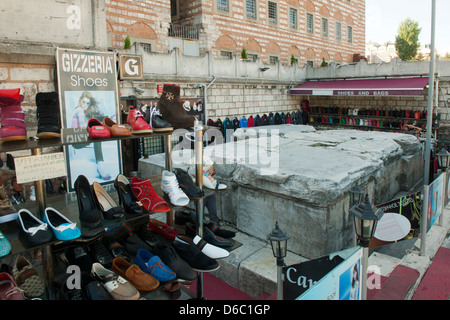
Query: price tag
[(40, 167)]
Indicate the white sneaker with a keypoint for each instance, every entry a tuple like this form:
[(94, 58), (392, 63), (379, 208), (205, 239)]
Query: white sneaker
[(169, 185), (208, 180)]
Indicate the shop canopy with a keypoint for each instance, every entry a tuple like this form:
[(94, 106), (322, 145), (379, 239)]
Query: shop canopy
[(363, 87)]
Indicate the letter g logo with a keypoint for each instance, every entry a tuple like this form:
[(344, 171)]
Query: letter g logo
[(131, 67)]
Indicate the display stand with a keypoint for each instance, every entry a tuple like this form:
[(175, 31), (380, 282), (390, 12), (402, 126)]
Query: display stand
[(198, 148)]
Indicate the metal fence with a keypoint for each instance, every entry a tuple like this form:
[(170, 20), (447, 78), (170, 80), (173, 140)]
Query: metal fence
[(184, 32)]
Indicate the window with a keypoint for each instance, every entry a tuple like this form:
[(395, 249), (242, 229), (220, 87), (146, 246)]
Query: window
[(293, 18), (226, 55), (350, 34), (273, 60), (338, 31), (310, 63), (173, 8), (324, 27), (251, 8), (309, 23), (147, 47), (223, 5), (252, 57), (272, 8)]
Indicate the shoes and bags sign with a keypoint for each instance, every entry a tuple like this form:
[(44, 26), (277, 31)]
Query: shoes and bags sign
[(87, 84)]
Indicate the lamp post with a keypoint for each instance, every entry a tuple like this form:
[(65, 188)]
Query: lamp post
[(443, 159), (278, 241), (366, 217)]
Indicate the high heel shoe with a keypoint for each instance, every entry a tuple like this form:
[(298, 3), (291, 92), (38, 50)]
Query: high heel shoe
[(127, 199), (90, 215), (106, 204)]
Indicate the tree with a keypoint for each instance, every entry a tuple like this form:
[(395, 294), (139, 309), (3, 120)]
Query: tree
[(244, 55), (127, 43), (406, 42)]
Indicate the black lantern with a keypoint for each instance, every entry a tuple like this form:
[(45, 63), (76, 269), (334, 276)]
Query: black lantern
[(278, 241), (356, 195), (443, 159), (366, 217)]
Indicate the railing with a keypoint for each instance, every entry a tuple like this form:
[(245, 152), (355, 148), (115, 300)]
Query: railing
[(184, 32)]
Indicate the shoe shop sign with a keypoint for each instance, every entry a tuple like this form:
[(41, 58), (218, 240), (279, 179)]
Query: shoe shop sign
[(130, 67), (87, 84)]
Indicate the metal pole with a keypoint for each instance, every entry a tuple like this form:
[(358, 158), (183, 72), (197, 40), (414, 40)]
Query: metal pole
[(280, 264), (364, 267), (424, 221), (429, 121), (39, 188), (198, 149)]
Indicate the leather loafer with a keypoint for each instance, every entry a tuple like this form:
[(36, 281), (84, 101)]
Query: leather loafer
[(220, 232), (117, 130), (96, 129), (212, 251), (169, 257), (192, 254), (209, 236), (187, 185)]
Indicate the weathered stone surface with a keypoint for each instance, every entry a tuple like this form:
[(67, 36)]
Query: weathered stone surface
[(301, 178)]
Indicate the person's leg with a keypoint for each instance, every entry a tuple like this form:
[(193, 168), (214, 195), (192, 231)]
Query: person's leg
[(210, 203)]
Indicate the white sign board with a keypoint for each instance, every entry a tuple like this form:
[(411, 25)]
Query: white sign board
[(40, 167)]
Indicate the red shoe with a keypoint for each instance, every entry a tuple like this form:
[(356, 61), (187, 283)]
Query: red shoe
[(147, 196), (97, 130), (163, 229), (136, 120)]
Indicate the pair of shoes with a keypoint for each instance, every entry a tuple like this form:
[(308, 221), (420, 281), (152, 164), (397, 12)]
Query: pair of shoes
[(171, 259), (208, 235), (193, 255), (27, 278), (153, 265), (208, 180), (100, 253), (5, 245), (183, 217), (147, 196), (127, 199), (136, 121), (117, 286), (156, 121), (63, 229), (171, 108), (12, 117), (133, 243), (48, 115), (106, 204), (131, 272), (212, 251), (163, 229), (34, 230), (90, 215), (9, 289), (187, 185), (169, 185)]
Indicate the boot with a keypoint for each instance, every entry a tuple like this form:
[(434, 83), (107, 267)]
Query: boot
[(171, 108), (47, 109), (12, 117)]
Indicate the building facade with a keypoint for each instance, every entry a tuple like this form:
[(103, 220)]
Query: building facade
[(292, 31)]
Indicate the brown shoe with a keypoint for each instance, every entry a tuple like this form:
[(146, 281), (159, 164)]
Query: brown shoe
[(117, 130), (171, 108), (138, 278)]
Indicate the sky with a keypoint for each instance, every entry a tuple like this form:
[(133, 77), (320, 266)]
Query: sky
[(383, 18)]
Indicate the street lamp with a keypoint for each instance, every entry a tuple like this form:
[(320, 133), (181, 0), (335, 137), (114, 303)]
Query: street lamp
[(278, 241), (443, 159), (356, 195), (366, 217)]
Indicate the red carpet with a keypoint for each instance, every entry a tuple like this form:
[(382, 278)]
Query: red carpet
[(397, 284), (435, 284)]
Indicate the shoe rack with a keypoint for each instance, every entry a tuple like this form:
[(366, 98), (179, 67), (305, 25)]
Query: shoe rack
[(64, 203)]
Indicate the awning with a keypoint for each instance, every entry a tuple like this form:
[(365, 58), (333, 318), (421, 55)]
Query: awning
[(363, 87)]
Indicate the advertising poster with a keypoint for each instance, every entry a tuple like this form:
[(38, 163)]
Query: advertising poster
[(87, 83), (401, 220), (435, 200), (341, 283)]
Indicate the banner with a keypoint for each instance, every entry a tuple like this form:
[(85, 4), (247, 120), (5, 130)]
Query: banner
[(435, 200), (87, 83), (342, 282)]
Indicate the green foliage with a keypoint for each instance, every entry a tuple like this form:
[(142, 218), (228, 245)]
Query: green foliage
[(406, 42), (127, 44), (244, 54), (293, 60), (324, 63)]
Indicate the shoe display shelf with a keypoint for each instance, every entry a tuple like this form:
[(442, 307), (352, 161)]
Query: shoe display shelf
[(369, 122), (67, 203)]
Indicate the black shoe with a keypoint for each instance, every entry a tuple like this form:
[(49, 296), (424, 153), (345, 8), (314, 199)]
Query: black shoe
[(93, 289), (183, 217), (133, 243), (100, 253), (228, 234), (187, 185), (90, 215), (79, 256), (190, 253), (171, 259), (47, 107), (208, 236), (106, 204), (127, 199), (118, 250)]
